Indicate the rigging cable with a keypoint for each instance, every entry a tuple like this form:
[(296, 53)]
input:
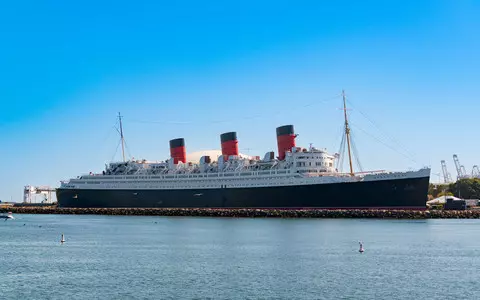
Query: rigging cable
[(116, 150), (383, 133), (341, 151), (107, 136), (385, 144), (109, 133), (325, 100), (124, 141), (126, 147), (355, 152)]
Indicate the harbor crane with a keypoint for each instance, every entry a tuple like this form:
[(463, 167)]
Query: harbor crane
[(446, 175), (461, 173), (475, 172)]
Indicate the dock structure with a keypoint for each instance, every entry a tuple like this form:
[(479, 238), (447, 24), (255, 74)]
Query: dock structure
[(253, 213), (29, 193)]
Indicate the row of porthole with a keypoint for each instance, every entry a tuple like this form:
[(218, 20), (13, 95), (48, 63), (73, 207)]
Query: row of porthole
[(249, 179), (192, 181), (162, 184), (386, 176), (235, 184), (203, 186), (213, 186), (197, 175), (195, 178)]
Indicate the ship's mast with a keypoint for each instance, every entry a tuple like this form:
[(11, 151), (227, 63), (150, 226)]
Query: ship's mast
[(347, 133), (121, 136)]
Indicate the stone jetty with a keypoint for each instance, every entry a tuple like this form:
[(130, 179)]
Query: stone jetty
[(252, 212)]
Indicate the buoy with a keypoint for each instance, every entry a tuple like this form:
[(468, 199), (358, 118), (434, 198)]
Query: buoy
[(361, 250), (63, 239)]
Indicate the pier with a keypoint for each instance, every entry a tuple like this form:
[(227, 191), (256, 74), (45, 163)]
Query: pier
[(251, 212)]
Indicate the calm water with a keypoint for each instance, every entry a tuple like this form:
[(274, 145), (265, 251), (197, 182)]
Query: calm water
[(108, 257)]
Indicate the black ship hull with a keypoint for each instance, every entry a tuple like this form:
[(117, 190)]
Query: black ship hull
[(391, 194)]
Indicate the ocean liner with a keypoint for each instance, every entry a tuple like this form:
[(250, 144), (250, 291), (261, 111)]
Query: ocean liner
[(297, 178)]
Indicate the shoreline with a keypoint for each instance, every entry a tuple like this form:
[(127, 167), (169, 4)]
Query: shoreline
[(253, 213)]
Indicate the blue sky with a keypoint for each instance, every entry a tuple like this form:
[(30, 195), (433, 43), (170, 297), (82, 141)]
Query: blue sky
[(197, 69)]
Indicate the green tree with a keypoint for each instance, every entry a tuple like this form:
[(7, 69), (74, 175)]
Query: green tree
[(444, 194), (437, 190), (468, 188)]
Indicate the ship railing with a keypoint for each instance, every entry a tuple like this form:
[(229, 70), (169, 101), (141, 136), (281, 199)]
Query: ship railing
[(325, 174), (189, 175), (390, 172), (369, 172), (342, 174), (136, 175)]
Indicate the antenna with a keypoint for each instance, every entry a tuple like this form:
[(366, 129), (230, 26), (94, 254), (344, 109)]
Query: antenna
[(121, 136), (347, 132)]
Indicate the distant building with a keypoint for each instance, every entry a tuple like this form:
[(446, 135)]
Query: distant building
[(454, 204), (442, 200), (472, 202)]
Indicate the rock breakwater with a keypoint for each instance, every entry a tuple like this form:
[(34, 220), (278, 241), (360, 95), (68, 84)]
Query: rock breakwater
[(253, 213)]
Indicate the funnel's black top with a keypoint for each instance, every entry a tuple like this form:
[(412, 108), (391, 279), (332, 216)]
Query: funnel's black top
[(177, 143), (228, 136), (285, 130)]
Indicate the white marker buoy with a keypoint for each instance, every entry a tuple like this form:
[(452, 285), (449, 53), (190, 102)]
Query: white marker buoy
[(361, 250), (63, 239)]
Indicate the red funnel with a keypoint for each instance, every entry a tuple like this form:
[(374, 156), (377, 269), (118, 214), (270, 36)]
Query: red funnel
[(285, 140), (177, 150), (229, 144)]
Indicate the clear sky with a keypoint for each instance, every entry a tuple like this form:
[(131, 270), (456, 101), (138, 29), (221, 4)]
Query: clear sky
[(196, 69)]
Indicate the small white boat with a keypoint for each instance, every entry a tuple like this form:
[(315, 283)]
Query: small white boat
[(8, 216)]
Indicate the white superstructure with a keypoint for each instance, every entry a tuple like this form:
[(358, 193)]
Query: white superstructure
[(300, 167)]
